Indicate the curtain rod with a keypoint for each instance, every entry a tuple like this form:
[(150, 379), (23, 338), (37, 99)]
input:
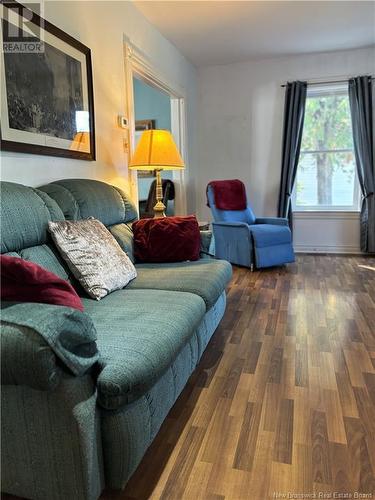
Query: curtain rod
[(325, 83)]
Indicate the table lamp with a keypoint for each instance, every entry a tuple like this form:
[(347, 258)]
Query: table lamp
[(156, 150)]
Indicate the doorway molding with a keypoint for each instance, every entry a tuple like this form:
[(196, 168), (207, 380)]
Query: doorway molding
[(138, 65)]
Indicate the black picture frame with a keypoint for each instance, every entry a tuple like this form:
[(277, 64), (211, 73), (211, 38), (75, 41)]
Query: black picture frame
[(85, 71)]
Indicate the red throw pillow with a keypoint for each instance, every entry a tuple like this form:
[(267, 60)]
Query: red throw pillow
[(25, 281), (168, 239)]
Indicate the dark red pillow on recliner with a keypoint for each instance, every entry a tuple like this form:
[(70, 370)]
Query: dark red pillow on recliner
[(168, 239), (25, 281)]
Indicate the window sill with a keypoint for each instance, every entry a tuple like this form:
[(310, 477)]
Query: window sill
[(326, 214)]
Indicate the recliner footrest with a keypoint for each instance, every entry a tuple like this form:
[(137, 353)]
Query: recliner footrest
[(272, 245)]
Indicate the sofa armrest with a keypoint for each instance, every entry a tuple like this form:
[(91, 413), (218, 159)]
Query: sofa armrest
[(206, 243), (26, 359), (275, 221), (35, 337)]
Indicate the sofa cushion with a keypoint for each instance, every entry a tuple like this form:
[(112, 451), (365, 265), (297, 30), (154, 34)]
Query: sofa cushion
[(140, 333), (206, 278), (25, 213), (130, 430), (83, 198)]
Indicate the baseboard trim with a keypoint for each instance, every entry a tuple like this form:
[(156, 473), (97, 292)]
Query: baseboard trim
[(341, 249)]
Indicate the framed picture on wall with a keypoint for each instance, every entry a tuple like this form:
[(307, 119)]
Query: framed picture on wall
[(47, 104), (140, 126)]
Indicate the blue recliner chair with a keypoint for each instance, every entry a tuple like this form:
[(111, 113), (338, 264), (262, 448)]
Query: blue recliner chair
[(246, 240)]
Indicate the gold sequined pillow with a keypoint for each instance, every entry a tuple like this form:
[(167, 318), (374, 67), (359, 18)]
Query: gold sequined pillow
[(93, 255)]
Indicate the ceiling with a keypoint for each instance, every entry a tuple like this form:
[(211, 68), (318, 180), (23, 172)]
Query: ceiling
[(222, 32)]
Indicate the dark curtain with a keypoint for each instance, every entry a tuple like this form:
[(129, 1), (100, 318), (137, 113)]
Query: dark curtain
[(294, 113), (361, 108)]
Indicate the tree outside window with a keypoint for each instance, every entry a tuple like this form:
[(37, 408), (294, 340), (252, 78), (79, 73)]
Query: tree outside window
[(326, 175)]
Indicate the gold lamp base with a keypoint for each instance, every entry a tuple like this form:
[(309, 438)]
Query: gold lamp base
[(159, 208)]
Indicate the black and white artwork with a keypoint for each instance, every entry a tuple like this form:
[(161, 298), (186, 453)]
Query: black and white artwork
[(46, 92)]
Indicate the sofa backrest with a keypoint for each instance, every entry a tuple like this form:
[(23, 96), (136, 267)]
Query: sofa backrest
[(25, 213), (82, 198), (24, 216)]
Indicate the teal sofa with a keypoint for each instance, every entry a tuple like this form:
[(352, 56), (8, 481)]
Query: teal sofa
[(85, 393)]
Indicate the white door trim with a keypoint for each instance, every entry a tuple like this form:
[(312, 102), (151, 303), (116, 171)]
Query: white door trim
[(138, 65)]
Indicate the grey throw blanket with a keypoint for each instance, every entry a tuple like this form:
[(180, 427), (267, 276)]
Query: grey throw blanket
[(70, 333)]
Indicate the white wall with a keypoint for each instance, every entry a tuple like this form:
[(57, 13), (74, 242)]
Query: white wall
[(331, 232), (151, 103), (240, 121), (101, 25)]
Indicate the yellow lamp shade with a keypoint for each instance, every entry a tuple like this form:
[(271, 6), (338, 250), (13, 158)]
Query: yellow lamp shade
[(156, 150)]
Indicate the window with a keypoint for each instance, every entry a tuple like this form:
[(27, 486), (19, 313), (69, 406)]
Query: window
[(326, 175)]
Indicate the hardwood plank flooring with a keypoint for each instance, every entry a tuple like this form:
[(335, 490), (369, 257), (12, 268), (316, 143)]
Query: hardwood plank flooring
[(283, 400), (284, 395)]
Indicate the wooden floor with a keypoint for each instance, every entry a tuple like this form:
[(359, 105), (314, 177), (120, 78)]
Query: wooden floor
[(283, 401)]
